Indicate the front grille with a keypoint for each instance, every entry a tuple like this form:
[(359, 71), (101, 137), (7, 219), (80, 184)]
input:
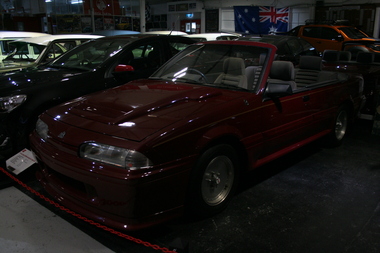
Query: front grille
[(80, 189)]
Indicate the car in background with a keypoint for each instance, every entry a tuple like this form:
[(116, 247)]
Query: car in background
[(38, 50), (366, 64), (145, 152), (114, 32), (213, 36), (7, 36), (166, 33), (337, 36), (289, 48), (92, 66)]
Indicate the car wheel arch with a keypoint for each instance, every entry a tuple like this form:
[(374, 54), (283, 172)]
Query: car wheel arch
[(347, 108), (355, 50), (28, 118), (218, 164), (351, 108), (232, 140)]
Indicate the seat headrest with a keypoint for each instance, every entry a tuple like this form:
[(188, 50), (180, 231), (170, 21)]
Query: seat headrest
[(283, 70), (234, 66), (310, 62), (345, 56), (330, 55), (365, 57)]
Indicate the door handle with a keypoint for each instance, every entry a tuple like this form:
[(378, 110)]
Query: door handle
[(305, 98)]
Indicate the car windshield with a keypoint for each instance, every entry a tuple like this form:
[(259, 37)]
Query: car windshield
[(218, 65), (6, 48), (25, 52), (353, 32), (90, 55)]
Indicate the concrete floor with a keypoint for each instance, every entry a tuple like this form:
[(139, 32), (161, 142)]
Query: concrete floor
[(313, 200)]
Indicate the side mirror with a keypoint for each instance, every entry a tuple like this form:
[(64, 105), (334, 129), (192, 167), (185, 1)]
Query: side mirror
[(339, 38), (123, 68), (278, 89)]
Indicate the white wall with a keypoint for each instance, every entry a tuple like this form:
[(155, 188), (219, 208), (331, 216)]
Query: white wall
[(298, 15), (299, 11), (227, 20)]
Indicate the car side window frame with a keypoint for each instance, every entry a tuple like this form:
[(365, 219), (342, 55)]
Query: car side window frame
[(328, 33), (311, 32)]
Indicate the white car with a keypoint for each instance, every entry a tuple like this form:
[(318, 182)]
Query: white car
[(166, 33), (213, 36), (7, 36), (38, 50)]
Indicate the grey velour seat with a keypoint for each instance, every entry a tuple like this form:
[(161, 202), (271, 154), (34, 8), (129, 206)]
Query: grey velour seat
[(282, 72), (308, 70), (233, 72)]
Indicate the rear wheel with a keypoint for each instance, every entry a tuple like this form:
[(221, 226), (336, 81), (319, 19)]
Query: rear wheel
[(214, 181), (340, 126)]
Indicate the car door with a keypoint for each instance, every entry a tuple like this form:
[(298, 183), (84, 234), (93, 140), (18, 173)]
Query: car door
[(146, 56), (143, 57), (286, 112), (322, 38), (288, 120)]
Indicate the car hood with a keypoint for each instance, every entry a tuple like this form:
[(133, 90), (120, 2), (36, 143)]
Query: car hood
[(137, 110), (367, 40), (13, 65), (20, 81), (10, 63)]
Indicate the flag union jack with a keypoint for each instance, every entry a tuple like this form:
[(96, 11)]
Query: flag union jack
[(261, 19), (273, 14)]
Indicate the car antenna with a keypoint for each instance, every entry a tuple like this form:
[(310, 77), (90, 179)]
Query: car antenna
[(173, 27)]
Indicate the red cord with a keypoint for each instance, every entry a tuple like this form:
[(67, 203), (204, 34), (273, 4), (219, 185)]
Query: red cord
[(112, 231)]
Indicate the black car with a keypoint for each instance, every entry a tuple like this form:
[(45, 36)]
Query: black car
[(99, 64), (290, 48)]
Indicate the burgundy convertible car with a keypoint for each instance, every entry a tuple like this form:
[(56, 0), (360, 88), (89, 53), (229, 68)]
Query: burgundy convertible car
[(145, 152)]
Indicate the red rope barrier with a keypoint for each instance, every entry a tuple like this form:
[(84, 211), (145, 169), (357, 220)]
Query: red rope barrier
[(138, 241)]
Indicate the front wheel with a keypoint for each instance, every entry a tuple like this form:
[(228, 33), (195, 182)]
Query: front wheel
[(214, 181)]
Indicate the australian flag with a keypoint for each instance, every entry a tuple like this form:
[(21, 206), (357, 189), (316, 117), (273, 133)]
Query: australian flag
[(261, 19)]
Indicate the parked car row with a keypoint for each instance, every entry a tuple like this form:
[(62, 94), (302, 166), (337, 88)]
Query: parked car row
[(132, 131), (289, 48), (6, 37), (33, 51), (336, 35), (365, 63), (346, 48), (96, 65)]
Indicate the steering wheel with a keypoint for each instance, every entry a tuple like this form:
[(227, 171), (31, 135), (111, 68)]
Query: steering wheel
[(198, 72)]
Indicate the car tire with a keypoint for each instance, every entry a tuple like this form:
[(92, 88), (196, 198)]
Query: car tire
[(213, 181), (340, 127)]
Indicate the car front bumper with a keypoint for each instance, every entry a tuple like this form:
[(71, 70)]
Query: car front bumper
[(118, 198)]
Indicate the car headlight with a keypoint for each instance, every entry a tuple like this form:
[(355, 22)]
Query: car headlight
[(121, 157), (42, 129), (10, 103)]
